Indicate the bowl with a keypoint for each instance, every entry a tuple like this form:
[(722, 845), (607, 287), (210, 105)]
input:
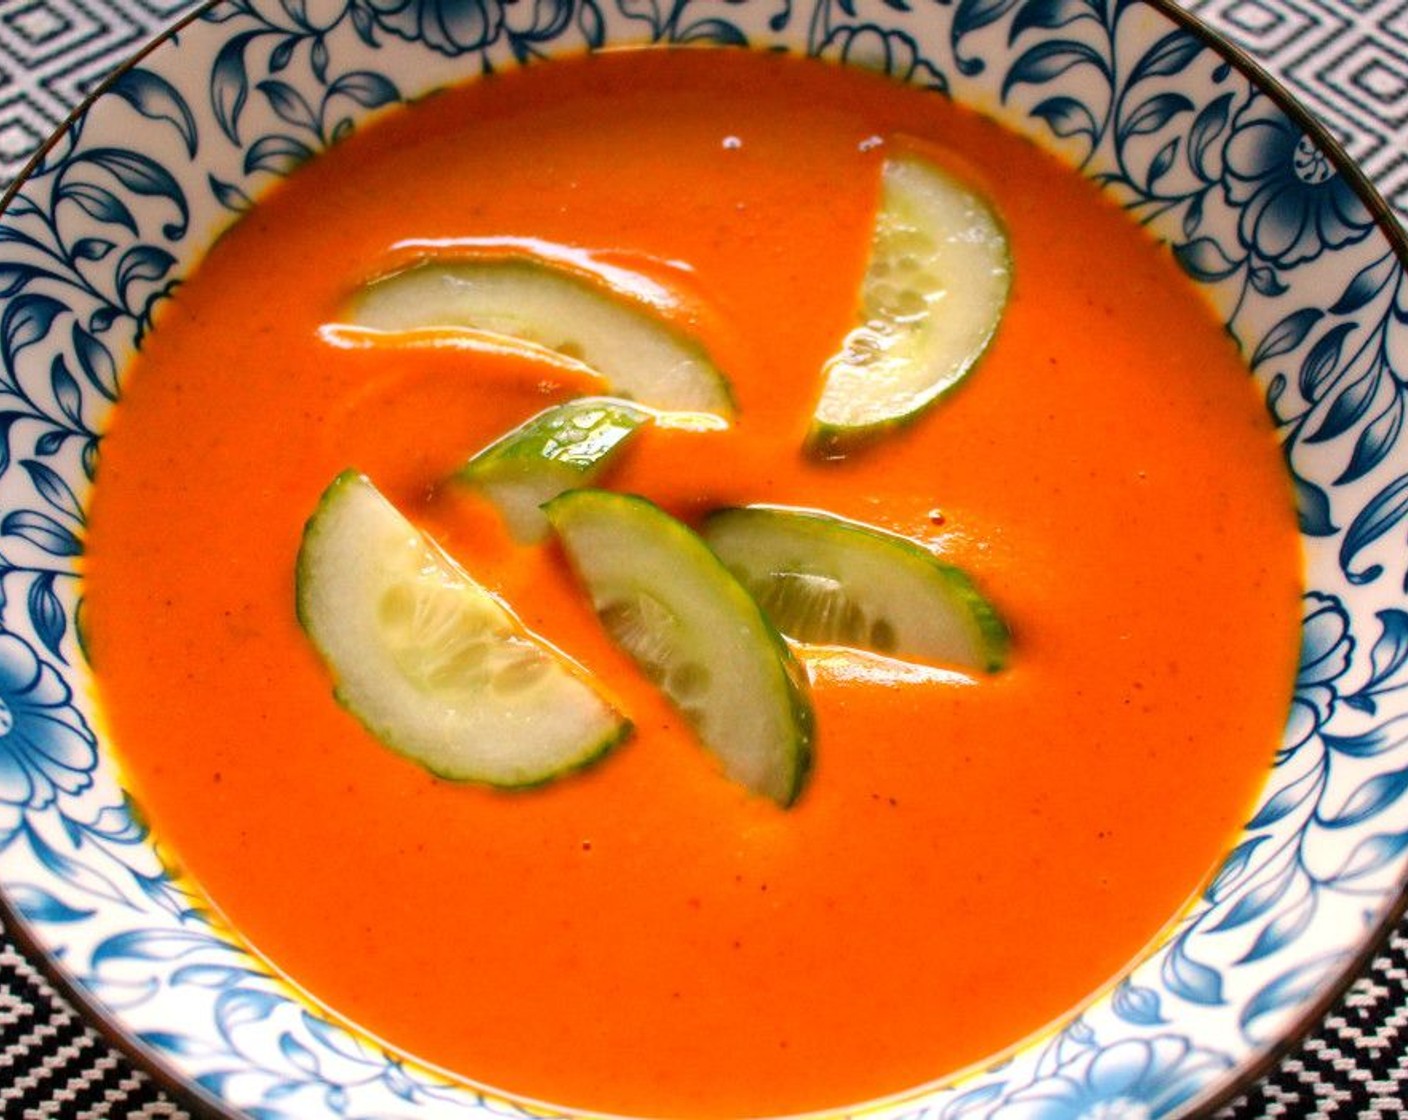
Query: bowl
[(1299, 258)]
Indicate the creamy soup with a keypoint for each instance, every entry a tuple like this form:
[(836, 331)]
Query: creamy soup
[(974, 854)]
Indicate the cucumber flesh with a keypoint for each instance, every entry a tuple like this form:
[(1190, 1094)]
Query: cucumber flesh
[(674, 608), (569, 446), (429, 661), (829, 581), (640, 355), (931, 299)]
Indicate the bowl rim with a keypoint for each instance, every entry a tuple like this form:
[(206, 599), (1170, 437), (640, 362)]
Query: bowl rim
[(201, 1103)]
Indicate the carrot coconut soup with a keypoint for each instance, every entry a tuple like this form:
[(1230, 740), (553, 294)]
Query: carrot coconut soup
[(652, 801)]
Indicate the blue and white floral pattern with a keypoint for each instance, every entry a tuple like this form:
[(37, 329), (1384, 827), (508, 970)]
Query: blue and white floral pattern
[(1254, 206)]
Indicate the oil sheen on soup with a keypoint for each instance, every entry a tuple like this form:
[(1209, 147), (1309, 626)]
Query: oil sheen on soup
[(974, 854)]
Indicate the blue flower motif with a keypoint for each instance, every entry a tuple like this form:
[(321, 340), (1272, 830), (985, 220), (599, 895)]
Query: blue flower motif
[(1325, 650), (892, 53), (451, 27), (1132, 1080), (45, 746), (1294, 202)]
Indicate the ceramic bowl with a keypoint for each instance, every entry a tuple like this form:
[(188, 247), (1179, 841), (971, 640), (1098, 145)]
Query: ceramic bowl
[(1293, 250)]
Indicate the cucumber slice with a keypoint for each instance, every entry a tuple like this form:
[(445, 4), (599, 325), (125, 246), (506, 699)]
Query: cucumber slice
[(829, 581), (669, 603), (931, 299), (640, 355), (429, 661), (568, 446)]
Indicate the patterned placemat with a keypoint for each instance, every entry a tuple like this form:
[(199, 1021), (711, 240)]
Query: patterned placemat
[(1347, 60)]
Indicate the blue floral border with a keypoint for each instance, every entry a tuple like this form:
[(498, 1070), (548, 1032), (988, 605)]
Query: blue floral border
[(1255, 206)]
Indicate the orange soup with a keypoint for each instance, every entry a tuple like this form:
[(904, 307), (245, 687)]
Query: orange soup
[(973, 856)]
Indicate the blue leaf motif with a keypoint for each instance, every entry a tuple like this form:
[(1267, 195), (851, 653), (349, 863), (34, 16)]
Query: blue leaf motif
[(1275, 390), (74, 872), (1284, 928), (334, 1038), (144, 176), (154, 945), (96, 362), (239, 1007), (1378, 438), (1159, 167), (212, 976), (1204, 260), (1260, 899), (1233, 868), (1390, 652), (1312, 508), (229, 84), (1050, 60), (142, 262), (66, 392), (1372, 855), (366, 88), (214, 1082), (1189, 979), (1153, 114), (53, 489), (1379, 515), (175, 1043), (42, 531), (103, 318), (1048, 14), (98, 203), (38, 905), (282, 55), (364, 24), (1367, 283), (1137, 1004), (1170, 55), (1376, 741), (46, 613), (1286, 800), (92, 248), (1286, 335), (279, 154), (229, 195), (1291, 989), (1066, 116), (1265, 281), (1348, 407), (1207, 126), (15, 277), (318, 55), (1369, 799), (299, 1054), (157, 99), (27, 320), (289, 104)]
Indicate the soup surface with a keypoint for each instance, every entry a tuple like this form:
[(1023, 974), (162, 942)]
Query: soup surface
[(973, 855)]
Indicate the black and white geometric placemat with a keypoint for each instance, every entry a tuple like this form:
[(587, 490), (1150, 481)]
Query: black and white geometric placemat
[(1347, 61)]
